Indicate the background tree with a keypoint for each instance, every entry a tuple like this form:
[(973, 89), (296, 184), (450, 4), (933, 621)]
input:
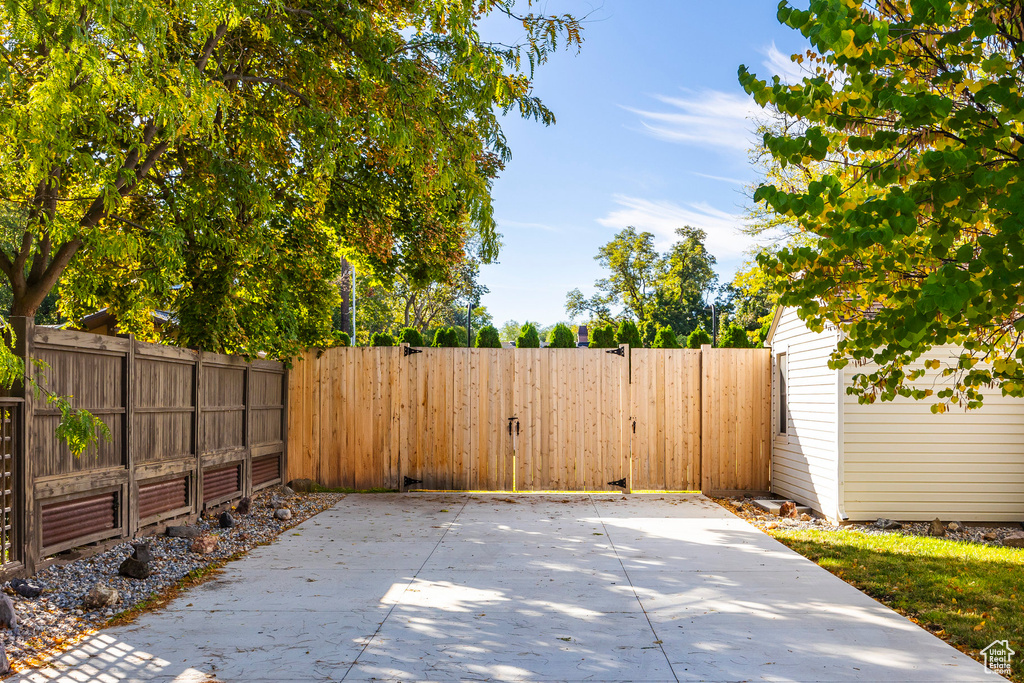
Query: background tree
[(633, 264), (628, 334), (665, 339), (602, 337), (528, 337), (382, 339), (509, 331), (448, 337), (914, 112), (561, 337), (487, 338), (698, 338), (343, 339), (734, 337), (410, 336)]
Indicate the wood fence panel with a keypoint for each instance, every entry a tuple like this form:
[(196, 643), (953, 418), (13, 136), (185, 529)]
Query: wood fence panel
[(665, 397), (736, 405), (428, 418), (570, 406)]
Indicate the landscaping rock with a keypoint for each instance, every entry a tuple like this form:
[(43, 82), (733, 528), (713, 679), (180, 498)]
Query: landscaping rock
[(283, 514), (301, 486), (100, 596), (1014, 540), (990, 536), (204, 545), (133, 568), (5, 666), (184, 531), (141, 552), (937, 528), (25, 588), (887, 524), (225, 520), (805, 517), (954, 527), (787, 509), (277, 502), (243, 506), (8, 616)]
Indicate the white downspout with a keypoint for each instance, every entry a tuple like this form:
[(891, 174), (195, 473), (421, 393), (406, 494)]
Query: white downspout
[(841, 441)]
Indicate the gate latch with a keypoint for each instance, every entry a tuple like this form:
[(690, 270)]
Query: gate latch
[(621, 483), (409, 481), (510, 421)]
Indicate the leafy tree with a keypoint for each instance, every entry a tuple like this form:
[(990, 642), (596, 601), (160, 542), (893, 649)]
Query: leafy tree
[(410, 336), (528, 337), (913, 110), (561, 337), (665, 339), (382, 339), (628, 334), (734, 337), (645, 286), (602, 337), (648, 332), (487, 338), (447, 337), (698, 338), (509, 331), (215, 160), (343, 339)]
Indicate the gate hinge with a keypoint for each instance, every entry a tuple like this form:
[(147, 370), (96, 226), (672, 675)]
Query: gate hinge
[(410, 350), (409, 481), (621, 483), (618, 352)]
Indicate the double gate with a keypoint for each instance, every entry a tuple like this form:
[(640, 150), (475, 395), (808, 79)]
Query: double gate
[(517, 420)]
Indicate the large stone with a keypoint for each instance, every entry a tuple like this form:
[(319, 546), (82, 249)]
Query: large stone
[(141, 552), (26, 589), (937, 528), (278, 502), (5, 665), (887, 524), (184, 531), (133, 568), (243, 506), (204, 545), (990, 536), (101, 595), (1014, 540), (788, 509), (8, 616), (283, 514), (954, 526), (225, 520), (302, 485)]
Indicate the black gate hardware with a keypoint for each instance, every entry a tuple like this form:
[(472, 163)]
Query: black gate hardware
[(621, 483), (618, 352), (634, 426), (409, 481), (410, 350), (510, 421)]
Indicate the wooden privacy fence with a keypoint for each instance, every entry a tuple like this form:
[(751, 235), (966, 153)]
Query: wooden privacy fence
[(189, 430), (531, 419)]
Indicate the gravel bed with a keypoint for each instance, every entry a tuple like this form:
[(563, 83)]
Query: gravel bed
[(57, 617), (987, 535)]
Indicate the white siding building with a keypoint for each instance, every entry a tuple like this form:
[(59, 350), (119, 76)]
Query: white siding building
[(888, 459)]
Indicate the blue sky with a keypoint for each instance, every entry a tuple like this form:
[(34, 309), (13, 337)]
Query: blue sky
[(653, 131)]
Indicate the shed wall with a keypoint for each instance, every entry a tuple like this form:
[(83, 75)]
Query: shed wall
[(805, 461), (903, 462)]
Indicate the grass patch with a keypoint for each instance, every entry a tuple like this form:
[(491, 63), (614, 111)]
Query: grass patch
[(967, 594)]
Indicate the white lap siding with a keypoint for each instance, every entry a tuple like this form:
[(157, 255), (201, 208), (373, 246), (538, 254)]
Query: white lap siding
[(805, 460), (903, 462)]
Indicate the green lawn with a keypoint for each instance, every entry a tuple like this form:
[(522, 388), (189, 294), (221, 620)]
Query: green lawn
[(967, 594)]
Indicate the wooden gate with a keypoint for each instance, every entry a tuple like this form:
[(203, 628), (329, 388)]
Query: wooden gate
[(569, 405), (532, 419), (665, 414)]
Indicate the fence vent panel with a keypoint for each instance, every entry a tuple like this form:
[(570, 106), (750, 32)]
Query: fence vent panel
[(266, 469), (221, 483), (79, 519), (162, 496)]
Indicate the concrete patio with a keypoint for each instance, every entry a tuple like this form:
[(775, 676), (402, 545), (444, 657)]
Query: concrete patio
[(547, 587)]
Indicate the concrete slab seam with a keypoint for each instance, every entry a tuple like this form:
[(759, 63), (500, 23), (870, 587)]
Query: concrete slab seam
[(654, 631), (399, 599)]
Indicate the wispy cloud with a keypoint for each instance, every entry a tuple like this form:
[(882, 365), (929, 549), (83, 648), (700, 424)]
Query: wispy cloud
[(734, 181), (780, 64), (662, 218), (709, 118)]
